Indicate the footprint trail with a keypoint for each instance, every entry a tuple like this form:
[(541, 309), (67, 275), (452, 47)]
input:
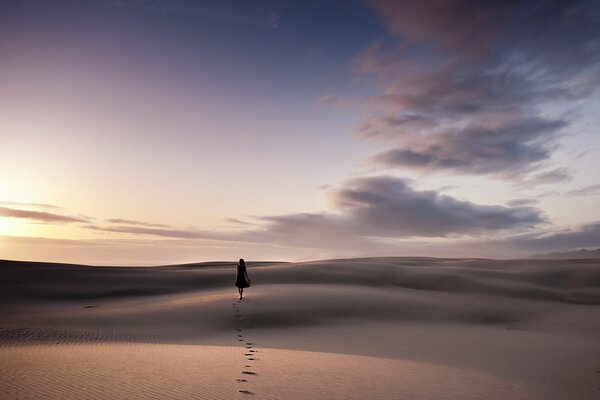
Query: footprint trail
[(250, 353)]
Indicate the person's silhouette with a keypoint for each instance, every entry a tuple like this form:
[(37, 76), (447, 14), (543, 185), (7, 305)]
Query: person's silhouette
[(241, 278)]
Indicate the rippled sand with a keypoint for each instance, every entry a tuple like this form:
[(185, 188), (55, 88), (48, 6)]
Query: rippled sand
[(380, 328)]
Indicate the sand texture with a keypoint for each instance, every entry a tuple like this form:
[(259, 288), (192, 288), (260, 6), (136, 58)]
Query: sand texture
[(373, 328)]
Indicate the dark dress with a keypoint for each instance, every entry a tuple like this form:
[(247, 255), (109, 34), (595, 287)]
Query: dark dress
[(240, 278)]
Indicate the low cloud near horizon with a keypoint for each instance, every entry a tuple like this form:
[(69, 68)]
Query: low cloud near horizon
[(39, 216), (389, 207), (373, 215)]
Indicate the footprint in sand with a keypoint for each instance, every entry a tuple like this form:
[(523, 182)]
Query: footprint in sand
[(248, 345)]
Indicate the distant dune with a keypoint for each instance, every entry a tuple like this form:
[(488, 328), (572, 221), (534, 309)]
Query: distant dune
[(571, 255), (370, 328)]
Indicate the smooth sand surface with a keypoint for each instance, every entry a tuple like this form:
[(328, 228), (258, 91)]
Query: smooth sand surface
[(376, 328)]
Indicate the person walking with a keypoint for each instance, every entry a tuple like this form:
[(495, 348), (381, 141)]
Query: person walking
[(241, 278)]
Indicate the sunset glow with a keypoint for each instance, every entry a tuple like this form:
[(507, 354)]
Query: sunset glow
[(149, 131)]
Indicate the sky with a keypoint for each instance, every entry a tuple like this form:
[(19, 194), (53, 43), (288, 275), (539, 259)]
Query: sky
[(147, 132)]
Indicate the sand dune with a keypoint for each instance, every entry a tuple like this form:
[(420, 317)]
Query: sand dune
[(418, 328)]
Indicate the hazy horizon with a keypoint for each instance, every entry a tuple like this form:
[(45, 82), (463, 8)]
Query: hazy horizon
[(148, 132)]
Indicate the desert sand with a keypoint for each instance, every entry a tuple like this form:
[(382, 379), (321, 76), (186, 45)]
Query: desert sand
[(372, 328)]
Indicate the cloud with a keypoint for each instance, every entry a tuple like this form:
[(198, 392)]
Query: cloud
[(237, 221), (374, 208), (372, 216), (162, 232), (388, 127), (133, 222), (369, 212), (38, 216), (547, 177), (585, 191), (387, 206), (36, 205), (521, 245), (522, 202), (463, 88), (586, 235), (475, 149), (479, 22)]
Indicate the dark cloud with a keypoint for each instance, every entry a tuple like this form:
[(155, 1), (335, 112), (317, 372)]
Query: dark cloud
[(38, 216), (388, 208), (475, 149), (463, 89), (585, 191), (448, 89)]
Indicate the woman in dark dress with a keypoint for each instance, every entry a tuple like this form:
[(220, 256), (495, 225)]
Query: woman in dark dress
[(241, 278)]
